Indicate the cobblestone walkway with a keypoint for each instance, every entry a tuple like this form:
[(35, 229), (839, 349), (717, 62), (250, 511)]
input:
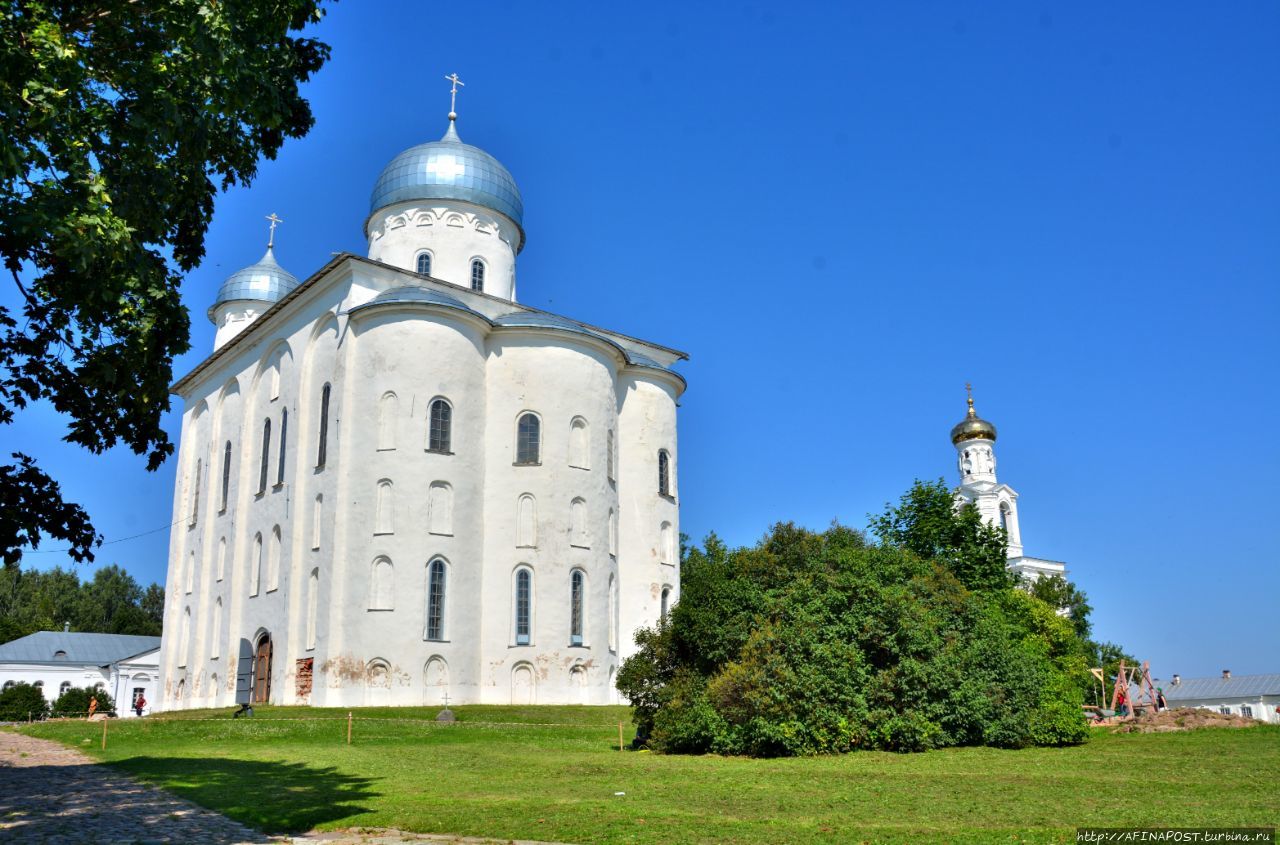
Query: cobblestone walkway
[(54, 795)]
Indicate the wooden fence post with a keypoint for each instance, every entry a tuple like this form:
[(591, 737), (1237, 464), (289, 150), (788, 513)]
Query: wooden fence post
[(104, 734), (620, 736), (348, 727)]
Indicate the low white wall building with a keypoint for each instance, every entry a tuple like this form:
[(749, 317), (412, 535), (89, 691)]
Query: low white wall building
[(123, 665), (1251, 696)]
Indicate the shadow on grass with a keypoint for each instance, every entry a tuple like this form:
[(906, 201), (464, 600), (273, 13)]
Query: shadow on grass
[(271, 796)]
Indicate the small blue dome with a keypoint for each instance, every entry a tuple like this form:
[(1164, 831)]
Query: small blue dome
[(451, 170), (265, 281)]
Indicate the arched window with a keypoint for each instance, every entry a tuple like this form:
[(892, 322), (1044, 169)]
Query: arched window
[(609, 455), (185, 639), (435, 600), (579, 444), (191, 571), (613, 613), (527, 522), (666, 554), (424, 263), (317, 520), (255, 565), (528, 439), (613, 532), (273, 561), (524, 606), (664, 472), (222, 559), (59, 655), (226, 476), (284, 439), (577, 585), (62, 688), (215, 651), (440, 509), (382, 585), (313, 606), (388, 407), (578, 523), (266, 456), (477, 274), (323, 451), (666, 598), (1004, 515), (384, 506), (195, 493), (440, 431)]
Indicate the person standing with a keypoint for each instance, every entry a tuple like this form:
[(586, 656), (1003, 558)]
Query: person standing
[(93, 705), (139, 703)]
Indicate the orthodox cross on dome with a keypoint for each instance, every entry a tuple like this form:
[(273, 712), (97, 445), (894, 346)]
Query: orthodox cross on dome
[(968, 388), (453, 95), (271, 237)]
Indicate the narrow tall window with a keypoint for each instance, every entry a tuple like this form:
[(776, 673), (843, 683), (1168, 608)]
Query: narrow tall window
[(435, 601), (382, 586), (383, 522), (578, 523), (526, 521), (1004, 516), (440, 433), (284, 439), (323, 451), (524, 598), (273, 561), (226, 475), (191, 571), (666, 554), (185, 639), (255, 565), (266, 455), (575, 607), (528, 439), (609, 457), (440, 509), (215, 649), (664, 472), (388, 408), (424, 263), (313, 606), (222, 559), (579, 444), (666, 598), (317, 520), (613, 532), (195, 493), (613, 614), (477, 275)]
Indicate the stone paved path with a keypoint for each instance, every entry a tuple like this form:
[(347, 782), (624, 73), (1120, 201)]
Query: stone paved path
[(54, 795)]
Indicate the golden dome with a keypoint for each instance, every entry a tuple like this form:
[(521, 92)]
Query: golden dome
[(972, 427)]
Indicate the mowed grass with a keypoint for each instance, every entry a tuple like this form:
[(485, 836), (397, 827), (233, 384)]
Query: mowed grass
[(290, 769)]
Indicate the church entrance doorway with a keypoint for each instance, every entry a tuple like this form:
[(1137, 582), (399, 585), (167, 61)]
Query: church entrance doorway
[(262, 670)]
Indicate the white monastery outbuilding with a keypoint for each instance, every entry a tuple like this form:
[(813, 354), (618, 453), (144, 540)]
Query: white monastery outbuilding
[(124, 665), (1251, 696), (396, 483)]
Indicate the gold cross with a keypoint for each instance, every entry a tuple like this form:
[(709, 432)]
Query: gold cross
[(271, 239), (453, 95)]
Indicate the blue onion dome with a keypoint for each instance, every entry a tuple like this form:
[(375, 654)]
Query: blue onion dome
[(972, 427), (265, 281), (449, 170)]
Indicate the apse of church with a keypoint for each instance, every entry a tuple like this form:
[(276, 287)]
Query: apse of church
[(396, 484)]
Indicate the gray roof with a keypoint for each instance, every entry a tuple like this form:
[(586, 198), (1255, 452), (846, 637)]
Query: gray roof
[(451, 170), (97, 649), (265, 281), (1240, 686), (416, 294)]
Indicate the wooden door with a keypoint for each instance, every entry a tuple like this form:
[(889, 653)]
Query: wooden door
[(262, 672)]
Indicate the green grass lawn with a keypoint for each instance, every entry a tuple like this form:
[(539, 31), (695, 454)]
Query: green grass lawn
[(559, 782)]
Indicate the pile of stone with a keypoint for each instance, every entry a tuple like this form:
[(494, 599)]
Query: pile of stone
[(1179, 719)]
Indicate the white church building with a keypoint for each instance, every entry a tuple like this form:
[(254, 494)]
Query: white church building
[(397, 484), (974, 439)]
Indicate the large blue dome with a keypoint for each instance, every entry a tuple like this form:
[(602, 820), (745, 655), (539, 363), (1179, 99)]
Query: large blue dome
[(449, 170), (265, 281)]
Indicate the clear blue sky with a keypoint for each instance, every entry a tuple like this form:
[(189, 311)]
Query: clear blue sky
[(843, 212)]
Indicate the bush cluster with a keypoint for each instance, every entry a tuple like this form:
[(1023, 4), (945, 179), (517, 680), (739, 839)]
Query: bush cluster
[(813, 643), (22, 701), (75, 702)]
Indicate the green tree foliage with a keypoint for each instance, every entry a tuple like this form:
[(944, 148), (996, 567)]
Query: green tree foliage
[(927, 522), (111, 602), (812, 643), (22, 701), (1058, 592), (121, 121), (75, 702)]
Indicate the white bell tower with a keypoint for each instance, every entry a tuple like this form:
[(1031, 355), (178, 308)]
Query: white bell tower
[(975, 439)]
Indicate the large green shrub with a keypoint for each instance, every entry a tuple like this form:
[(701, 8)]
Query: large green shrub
[(75, 702), (22, 701), (814, 643)]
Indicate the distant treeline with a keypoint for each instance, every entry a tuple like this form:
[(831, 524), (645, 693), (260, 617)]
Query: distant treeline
[(111, 603)]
